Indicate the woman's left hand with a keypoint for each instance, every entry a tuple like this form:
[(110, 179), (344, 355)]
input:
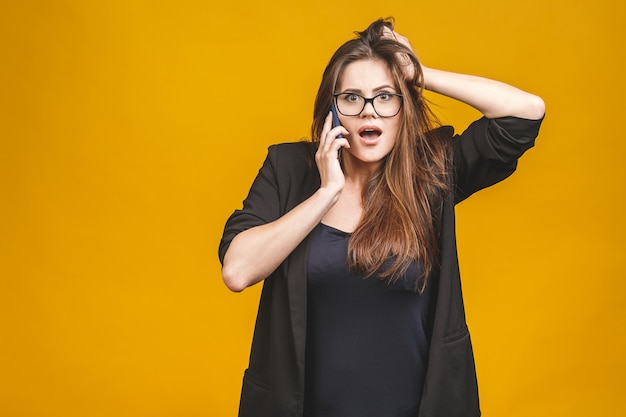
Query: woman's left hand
[(492, 98), (407, 64)]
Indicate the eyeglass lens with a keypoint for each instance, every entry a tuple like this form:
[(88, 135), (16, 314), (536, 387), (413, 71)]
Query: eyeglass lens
[(352, 104)]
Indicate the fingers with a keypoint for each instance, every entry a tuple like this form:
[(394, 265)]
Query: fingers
[(329, 138), (403, 40), (390, 34), (403, 58), (327, 155)]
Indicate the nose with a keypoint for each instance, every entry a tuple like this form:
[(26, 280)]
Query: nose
[(369, 110)]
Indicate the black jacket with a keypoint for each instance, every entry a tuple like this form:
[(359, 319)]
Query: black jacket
[(273, 385)]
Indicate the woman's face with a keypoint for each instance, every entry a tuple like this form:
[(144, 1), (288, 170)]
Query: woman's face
[(371, 137)]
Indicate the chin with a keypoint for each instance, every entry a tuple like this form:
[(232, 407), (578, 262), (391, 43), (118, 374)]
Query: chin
[(371, 157)]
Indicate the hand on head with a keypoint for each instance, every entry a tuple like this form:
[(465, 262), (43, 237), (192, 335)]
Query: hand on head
[(407, 64)]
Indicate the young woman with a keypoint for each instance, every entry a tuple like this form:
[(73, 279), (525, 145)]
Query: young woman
[(361, 313)]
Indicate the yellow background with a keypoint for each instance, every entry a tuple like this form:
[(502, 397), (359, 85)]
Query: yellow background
[(130, 130)]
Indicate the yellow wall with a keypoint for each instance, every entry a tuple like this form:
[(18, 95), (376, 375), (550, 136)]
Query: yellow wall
[(130, 130)]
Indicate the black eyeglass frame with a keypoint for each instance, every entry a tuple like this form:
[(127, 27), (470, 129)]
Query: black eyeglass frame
[(368, 100)]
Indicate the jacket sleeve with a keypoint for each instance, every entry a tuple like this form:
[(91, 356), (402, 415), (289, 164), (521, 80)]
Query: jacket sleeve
[(261, 206), (488, 150)]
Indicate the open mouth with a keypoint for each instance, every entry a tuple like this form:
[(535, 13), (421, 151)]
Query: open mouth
[(370, 133)]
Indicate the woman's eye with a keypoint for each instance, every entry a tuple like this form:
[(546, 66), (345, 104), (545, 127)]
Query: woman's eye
[(353, 98), (384, 97)]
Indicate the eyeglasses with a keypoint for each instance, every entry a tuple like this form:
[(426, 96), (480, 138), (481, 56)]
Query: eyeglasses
[(384, 104)]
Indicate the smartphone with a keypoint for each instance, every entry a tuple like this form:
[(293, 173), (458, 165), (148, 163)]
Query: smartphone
[(336, 123)]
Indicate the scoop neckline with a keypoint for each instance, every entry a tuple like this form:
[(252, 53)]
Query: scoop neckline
[(343, 232)]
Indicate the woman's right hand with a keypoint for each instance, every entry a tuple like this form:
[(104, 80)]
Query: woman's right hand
[(255, 253), (327, 156)]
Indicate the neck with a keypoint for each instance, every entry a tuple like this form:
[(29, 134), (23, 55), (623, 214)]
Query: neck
[(358, 172)]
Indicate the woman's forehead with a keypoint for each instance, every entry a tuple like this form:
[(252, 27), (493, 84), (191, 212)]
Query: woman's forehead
[(365, 75)]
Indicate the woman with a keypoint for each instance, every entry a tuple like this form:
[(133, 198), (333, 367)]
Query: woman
[(361, 312)]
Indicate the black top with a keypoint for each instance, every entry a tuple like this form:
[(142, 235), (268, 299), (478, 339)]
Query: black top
[(367, 343)]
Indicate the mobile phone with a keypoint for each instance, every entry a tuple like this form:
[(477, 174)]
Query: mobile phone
[(336, 123)]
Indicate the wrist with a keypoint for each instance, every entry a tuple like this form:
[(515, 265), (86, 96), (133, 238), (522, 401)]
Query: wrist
[(329, 194), (428, 75)]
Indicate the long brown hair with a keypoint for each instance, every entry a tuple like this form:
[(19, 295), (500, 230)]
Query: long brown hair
[(403, 200)]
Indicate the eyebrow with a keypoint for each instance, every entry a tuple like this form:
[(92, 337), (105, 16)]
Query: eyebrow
[(377, 89)]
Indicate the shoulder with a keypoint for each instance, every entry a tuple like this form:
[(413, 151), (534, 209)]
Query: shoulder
[(293, 154), (301, 148), (444, 133)]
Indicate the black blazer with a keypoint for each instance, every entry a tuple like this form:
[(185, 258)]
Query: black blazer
[(273, 384)]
